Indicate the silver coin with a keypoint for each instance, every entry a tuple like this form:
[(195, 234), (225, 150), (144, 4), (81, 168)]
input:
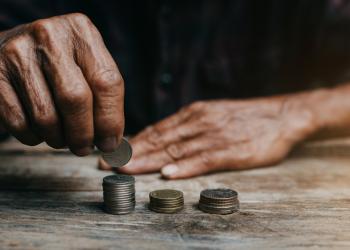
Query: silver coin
[(119, 185), (119, 189), (223, 211), (120, 206), (117, 179), (118, 193), (118, 197), (119, 211), (128, 200), (219, 193), (234, 206), (120, 156), (107, 198), (126, 183)]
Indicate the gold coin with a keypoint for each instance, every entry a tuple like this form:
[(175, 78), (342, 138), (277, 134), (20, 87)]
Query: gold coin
[(166, 194)]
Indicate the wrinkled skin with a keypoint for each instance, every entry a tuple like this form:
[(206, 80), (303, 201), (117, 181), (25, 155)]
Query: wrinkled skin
[(59, 84), (219, 135)]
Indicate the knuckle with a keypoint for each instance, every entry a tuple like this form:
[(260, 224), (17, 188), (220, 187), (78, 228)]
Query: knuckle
[(79, 18), (174, 151), (206, 160), (45, 33), (154, 136), (197, 106), (75, 96), (16, 45), (207, 122), (108, 81), (43, 27)]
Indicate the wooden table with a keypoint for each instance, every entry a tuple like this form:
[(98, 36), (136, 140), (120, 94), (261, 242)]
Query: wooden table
[(52, 200)]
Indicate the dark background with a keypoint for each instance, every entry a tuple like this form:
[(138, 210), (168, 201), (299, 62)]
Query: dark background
[(172, 53)]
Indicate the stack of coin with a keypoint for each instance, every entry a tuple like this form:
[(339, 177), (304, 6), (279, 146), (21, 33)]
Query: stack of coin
[(119, 194), (166, 201), (218, 201)]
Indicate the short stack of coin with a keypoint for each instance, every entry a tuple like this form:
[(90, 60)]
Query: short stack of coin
[(219, 201), (119, 194), (166, 201)]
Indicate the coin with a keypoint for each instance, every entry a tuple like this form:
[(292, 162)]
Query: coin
[(119, 194), (166, 201), (218, 201), (213, 211), (117, 212), (166, 211), (174, 203), (118, 179), (219, 193), (166, 194), (120, 156)]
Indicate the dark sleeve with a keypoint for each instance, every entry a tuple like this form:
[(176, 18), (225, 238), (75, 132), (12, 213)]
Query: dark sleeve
[(4, 136), (333, 44), (15, 12)]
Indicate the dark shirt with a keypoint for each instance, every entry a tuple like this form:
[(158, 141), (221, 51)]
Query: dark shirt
[(172, 53)]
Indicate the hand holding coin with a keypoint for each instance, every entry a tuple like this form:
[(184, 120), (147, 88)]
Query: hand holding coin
[(218, 135)]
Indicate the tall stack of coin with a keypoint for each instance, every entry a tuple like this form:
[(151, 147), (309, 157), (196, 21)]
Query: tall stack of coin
[(166, 201), (119, 194), (218, 201)]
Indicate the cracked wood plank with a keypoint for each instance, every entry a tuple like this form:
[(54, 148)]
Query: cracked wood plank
[(54, 201)]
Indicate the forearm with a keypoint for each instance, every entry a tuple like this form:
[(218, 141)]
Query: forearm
[(329, 110)]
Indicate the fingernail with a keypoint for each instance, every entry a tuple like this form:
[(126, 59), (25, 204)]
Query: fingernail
[(108, 144), (169, 170), (83, 151)]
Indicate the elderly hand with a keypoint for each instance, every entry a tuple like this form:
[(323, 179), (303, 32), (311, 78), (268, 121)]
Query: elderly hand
[(219, 135), (59, 84)]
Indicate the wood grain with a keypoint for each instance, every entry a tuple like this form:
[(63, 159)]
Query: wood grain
[(52, 200)]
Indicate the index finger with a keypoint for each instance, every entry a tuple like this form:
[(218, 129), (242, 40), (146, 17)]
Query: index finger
[(106, 83)]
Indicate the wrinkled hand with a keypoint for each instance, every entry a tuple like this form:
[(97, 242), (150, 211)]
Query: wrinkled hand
[(219, 135), (59, 84)]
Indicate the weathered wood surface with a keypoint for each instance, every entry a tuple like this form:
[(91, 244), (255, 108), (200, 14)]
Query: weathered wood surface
[(52, 200)]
